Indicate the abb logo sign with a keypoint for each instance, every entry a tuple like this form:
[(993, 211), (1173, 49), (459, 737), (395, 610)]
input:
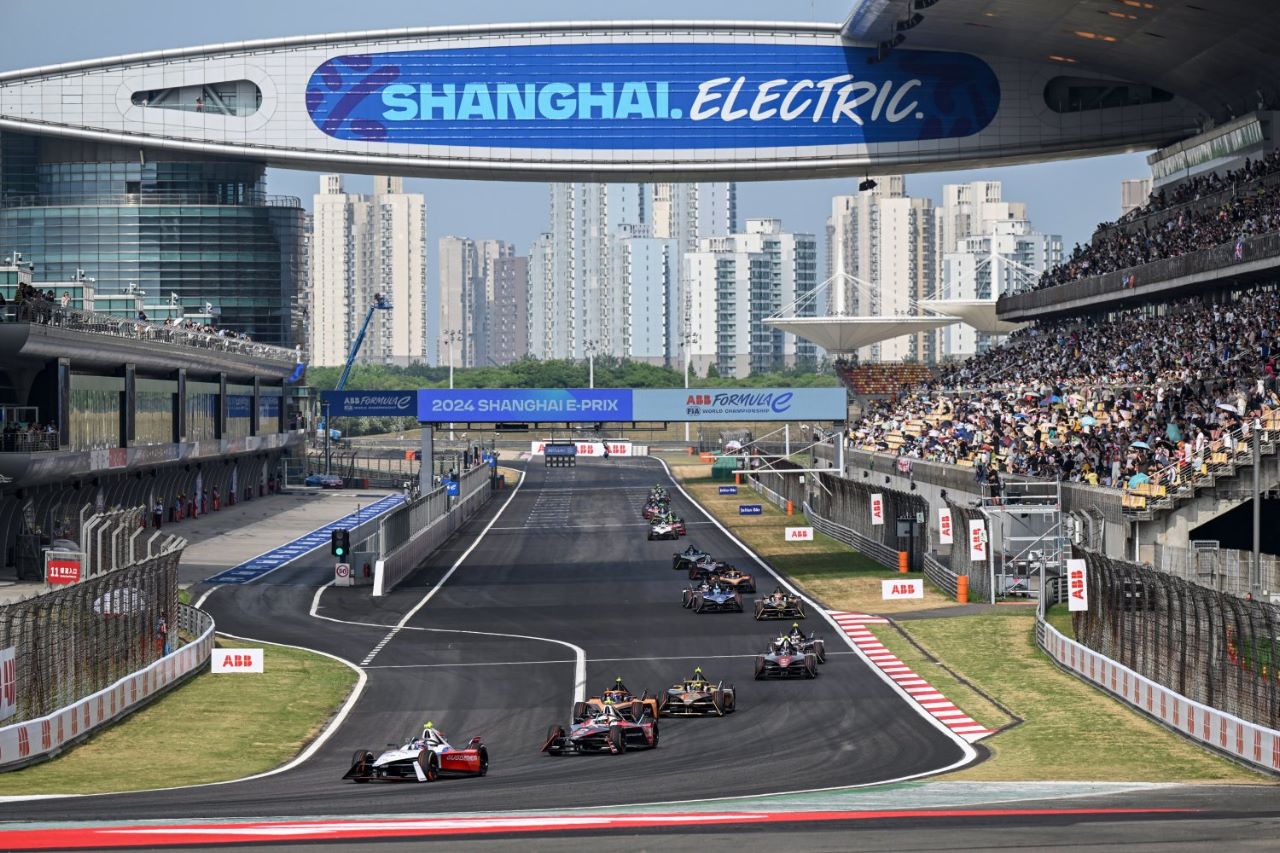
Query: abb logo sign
[(902, 589), (977, 540), (699, 400), (1077, 586), (62, 571), (237, 660), (799, 534), (8, 682), (877, 509), (946, 534)]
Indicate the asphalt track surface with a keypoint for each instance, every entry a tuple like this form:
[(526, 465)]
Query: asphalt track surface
[(567, 561)]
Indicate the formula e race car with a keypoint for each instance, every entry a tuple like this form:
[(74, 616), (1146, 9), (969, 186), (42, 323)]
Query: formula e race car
[(698, 697), (715, 599), (780, 605), (708, 569), (806, 643), (619, 696), (420, 759), (735, 579), (663, 530), (608, 731), (686, 558), (784, 660)]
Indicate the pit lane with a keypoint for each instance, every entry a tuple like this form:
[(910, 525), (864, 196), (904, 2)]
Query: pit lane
[(489, 654)]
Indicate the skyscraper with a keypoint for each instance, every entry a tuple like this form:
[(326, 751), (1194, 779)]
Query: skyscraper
[(363, 245), (467, 289), (507, 314), (733, 284)]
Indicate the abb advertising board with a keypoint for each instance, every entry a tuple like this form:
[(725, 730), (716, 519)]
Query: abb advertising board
[(902, 589), (799, 534), (946, 533), (877, 509), (61, 568), (977, 540), (237, 660), (8, 682), (1077, 586)]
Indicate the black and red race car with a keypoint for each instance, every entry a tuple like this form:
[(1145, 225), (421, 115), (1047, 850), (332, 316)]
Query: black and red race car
[(609, 731), (785, 660)]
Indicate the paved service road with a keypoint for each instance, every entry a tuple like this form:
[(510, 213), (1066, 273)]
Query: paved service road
[(566, 562)]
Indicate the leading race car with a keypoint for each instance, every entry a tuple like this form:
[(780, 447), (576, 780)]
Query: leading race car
[(420, 759), (698, 697), (633, 707), (663, 530), (715, 599), (607, 732), (780, 605), (783, 660)]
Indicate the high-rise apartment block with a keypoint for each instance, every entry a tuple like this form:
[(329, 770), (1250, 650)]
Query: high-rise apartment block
[(467, 292), (362, 246)]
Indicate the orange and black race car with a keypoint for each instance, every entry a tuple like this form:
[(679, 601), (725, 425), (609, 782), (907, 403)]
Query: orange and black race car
[(735, 579), (698, 697), (620, 697)]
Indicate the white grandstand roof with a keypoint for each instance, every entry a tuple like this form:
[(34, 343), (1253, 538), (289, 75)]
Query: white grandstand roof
[(978, 313), (848, 334)]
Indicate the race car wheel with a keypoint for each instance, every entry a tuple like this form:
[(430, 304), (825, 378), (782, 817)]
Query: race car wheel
[(553, 733), (617, 740), (820, 651), (731, 699), (360, 761), (430, 763), (650, 535), (810, 666), (655, 734), (697, 604), (686, 599), (759, 669), (717, 700), (484, 762), (580, 711)]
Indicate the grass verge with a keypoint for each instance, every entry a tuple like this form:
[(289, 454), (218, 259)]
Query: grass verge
[(1069, 730), (237, 725)]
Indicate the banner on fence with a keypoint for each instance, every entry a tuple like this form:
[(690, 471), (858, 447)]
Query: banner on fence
[(237, 660), (977, 540), (877, 509), (8, 682), (750, 509), (1077, 586), (902, 589), (61, 568), (946, 534), (799, 534)]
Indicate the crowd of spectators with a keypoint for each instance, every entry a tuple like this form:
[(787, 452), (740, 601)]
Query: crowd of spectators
[(1252, 209), (1106, 402), (28, 438)]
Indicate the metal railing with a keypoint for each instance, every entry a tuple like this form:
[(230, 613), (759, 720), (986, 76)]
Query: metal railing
[(96, 323), (28, 442), (249, 199)]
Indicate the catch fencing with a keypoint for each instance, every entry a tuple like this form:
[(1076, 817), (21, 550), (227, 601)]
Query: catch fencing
[(77, 640), (962, 564), (1223, 569), (475, 488), (1214, 648)]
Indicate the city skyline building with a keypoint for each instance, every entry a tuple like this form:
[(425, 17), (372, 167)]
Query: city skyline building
[(507, 312), (362, 246), (467, 290)]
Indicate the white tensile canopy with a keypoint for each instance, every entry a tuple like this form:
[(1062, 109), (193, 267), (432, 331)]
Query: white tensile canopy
[(848, 334), (978, 313)]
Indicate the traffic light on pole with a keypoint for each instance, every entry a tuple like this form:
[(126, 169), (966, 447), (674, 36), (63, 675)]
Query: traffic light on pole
[(340, 543)]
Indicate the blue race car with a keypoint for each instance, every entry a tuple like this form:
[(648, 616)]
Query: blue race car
[(715, 599)]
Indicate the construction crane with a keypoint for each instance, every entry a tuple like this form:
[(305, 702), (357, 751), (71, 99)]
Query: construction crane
[(380, 303)]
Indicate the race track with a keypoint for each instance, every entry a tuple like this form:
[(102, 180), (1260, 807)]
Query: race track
[(565, 564)]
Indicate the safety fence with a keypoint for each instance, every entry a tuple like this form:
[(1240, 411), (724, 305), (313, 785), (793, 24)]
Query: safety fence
[(77, 640), (1223, 569), (399, 526), (475, 488), (1247, 741), (1214, 648), (941, 576), (44, 736), (961, 561)]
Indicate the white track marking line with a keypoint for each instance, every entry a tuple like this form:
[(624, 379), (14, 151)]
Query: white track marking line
[(208, 592), (968, 753), (562, 660)]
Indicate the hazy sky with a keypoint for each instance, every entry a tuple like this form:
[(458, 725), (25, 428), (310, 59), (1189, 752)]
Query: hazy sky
[(1067, 198)]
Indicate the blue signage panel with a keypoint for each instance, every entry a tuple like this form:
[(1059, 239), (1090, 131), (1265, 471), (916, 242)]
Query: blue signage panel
[(560, 450), (524, 405), (619, 95), (740, 404), (371, 403), (239, 405), (750, 509), (728, 490)]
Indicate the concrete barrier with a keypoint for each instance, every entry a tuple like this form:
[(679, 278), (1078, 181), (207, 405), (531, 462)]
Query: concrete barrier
[(44, 737), (1248, 743)]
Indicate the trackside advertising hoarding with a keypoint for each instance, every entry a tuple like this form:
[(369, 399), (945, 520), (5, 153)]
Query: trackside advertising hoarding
[(617, 95), (593, 405), (1077, 586)]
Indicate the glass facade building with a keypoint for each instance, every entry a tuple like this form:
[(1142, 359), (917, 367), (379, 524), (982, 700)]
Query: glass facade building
[(203, 229)]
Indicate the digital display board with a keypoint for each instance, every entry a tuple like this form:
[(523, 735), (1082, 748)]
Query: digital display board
[(638, 95)]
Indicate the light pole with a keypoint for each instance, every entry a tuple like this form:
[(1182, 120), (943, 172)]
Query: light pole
[(452, 336), (590, 347), (690, 338)]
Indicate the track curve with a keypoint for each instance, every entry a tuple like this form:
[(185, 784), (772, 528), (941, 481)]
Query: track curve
[(565, 564)]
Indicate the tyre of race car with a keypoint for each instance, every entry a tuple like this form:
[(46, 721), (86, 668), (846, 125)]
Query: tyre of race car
[(580, 711), (484, 762), (360, 761), (759, 668), (553, 733), (800, 609), (617, 740), (655, 734), (686, 598), (737, 602), (650, 535), (759, 611), (717, 701), (810, 666), (637, 710), (430, 763), (820, 651), (697, 603), (731, 701), (663, 704)]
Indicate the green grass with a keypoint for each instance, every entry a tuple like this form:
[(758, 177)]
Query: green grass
[(1059, 617), (230, 725)]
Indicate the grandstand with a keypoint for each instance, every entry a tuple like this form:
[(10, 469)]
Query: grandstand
[(881, 379)]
